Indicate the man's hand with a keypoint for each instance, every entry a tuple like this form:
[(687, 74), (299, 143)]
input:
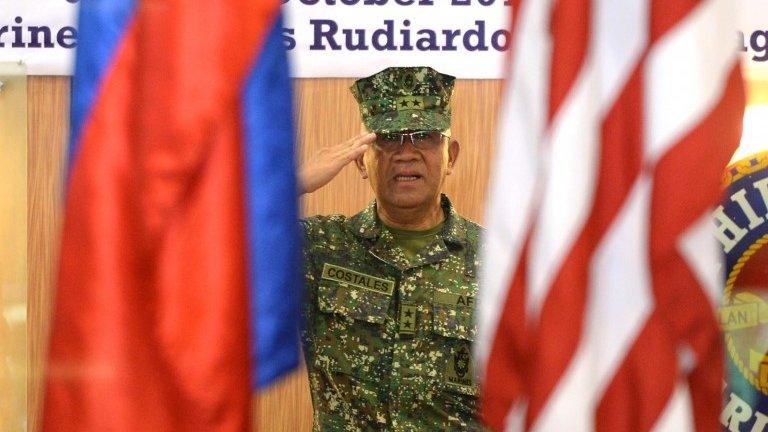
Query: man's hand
[(324, 166)]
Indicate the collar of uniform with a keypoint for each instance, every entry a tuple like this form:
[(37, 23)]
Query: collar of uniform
[(455, 229), (366, 224)]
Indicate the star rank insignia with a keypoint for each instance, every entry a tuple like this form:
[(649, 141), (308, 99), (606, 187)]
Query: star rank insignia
[(407, 319), (410, 103)]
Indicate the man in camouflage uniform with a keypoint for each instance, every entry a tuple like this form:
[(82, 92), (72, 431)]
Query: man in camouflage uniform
[(391, 290)]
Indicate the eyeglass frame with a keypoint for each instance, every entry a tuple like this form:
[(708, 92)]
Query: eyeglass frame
[(402, 136)]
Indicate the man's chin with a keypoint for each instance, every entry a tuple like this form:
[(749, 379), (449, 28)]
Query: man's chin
[(407, 201)]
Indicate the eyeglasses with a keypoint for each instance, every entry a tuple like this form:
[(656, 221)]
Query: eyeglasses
[(422, 140)]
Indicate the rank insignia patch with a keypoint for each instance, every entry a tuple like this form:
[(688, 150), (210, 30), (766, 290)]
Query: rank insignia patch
[(407, 319)]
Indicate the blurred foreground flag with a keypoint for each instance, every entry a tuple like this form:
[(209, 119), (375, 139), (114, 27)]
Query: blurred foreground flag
[(600, 263), (179, 278)]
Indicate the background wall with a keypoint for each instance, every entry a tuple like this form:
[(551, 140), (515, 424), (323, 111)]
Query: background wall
[(327, 114)]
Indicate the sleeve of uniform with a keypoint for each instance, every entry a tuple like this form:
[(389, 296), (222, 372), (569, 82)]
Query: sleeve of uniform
[(317, 230), (314, 229)]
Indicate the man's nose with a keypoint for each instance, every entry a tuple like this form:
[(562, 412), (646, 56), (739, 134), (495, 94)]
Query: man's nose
[(406, 151)]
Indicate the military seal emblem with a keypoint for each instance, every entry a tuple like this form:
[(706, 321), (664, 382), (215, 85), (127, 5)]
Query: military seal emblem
[(742, 230)]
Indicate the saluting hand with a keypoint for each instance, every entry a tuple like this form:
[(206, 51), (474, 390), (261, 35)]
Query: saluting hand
[(324, 166)]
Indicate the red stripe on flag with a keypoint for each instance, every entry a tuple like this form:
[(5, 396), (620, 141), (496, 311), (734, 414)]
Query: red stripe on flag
[(655, 351), (671, 214), (570, 29), (150, 330), (620, 161), (642, 371), (641, 387), (514, 14), (515, 6), (570, 39), (665, 15), (505, 379)]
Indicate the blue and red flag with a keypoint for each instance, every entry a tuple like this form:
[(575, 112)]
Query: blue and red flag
[(180, 269)]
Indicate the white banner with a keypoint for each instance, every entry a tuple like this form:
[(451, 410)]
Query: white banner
[(352, 38), (342, 38), (40, 33)]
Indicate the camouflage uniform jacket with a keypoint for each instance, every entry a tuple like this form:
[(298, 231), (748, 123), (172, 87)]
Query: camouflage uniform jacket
[(387, 340)]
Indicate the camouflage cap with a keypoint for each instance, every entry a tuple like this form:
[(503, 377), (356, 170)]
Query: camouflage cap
[(405, 98)]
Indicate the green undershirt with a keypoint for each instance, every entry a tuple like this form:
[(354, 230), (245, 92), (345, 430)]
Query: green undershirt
[(411, 242)]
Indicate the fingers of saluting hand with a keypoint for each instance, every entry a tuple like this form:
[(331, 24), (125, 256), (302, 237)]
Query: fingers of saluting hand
[(351, 144), (358, 145), (321, 169), (362, 139)]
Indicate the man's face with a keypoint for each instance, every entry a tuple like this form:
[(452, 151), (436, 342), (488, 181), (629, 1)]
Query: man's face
[(407, 177)]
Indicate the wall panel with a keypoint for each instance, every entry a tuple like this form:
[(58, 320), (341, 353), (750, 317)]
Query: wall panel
[(48, 124), (327, 114)]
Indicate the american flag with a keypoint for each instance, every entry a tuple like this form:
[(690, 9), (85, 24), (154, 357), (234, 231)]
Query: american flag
[(600, 273)]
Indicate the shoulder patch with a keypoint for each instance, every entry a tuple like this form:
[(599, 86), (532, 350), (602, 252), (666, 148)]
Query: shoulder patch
[(459, 369)]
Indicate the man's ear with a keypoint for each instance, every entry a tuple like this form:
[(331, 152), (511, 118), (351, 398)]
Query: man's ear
[(360, 163), (453, 154)]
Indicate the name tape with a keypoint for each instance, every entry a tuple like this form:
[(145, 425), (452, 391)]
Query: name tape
[(357, 279)]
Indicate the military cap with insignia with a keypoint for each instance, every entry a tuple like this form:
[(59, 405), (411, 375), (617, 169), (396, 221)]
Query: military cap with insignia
[(400, 99)]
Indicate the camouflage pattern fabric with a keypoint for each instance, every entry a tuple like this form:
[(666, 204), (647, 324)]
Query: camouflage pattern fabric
[(387, 338), (405, 98)]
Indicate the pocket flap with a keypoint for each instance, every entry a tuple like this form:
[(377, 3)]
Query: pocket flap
[(453, 322), (353, 302)]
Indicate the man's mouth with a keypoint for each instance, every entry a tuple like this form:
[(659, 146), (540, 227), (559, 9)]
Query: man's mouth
[(407, 178)]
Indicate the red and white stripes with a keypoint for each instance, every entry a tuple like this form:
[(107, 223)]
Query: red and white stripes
[(598, 281)]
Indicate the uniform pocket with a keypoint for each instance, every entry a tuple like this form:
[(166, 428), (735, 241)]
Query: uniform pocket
[(352, 302), (352, 321), (453, 322), (456, 324)]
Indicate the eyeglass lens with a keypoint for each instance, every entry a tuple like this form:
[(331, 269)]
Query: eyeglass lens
[(422, 140)]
